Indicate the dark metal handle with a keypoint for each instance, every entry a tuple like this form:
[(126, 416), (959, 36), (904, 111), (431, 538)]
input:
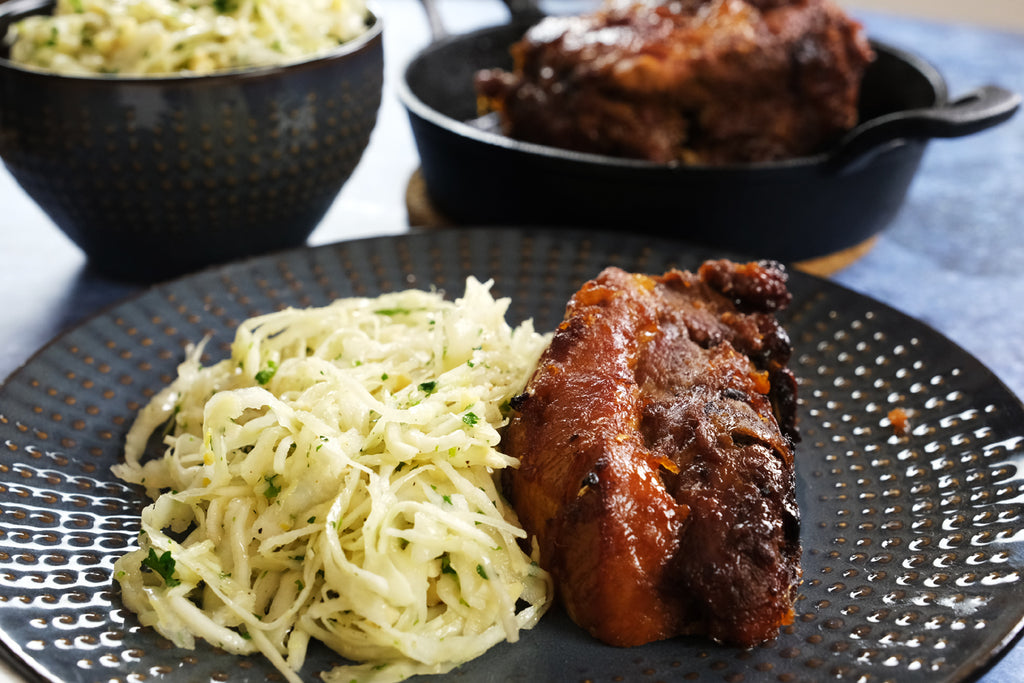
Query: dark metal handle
[(437, 29), (983, 108), (523, 12)]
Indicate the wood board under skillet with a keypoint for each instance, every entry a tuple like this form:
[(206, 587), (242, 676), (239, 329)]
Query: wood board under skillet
[(914, 544)]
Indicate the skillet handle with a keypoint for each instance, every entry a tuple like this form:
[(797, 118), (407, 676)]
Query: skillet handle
[(524, 11), (976, 111), (437, 29)]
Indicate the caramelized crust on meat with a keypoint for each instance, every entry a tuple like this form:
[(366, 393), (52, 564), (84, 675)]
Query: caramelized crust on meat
[(655, 441), (696, 81)]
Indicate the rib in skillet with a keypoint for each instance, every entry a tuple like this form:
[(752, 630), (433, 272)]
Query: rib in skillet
[(692, 81)]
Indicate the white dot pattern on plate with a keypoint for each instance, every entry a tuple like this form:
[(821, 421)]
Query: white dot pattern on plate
[(912, 533)]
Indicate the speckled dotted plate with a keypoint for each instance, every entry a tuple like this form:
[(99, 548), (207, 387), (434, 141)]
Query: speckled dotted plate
[(914, 542)]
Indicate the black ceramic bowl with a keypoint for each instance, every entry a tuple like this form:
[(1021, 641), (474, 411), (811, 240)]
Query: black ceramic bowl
[(790, 210), (152, 177)]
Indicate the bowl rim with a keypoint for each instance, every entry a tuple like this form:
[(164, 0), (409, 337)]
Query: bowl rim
[(373, 33), (418, 108)]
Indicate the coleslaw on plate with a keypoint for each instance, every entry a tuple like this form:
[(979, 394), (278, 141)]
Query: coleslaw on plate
[(336, 478)]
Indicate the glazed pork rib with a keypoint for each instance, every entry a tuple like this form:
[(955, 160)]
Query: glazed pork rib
[(656, 447), (692, 81)]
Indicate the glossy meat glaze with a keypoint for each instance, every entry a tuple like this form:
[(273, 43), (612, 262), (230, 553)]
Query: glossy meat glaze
[(692, 81), (656, 441)]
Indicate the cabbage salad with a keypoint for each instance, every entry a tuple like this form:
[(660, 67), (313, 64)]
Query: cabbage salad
[(335, 479)]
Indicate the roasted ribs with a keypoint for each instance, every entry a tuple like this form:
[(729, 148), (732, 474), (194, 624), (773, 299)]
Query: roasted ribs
[(691, 81), (656, 448)]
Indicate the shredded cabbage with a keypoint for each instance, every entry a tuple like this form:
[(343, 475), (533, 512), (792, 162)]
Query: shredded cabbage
[(162, 37), (336, 479)]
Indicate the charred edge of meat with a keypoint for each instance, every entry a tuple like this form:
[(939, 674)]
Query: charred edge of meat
[(760, 290), (778, 348), (783, 397), (590, 481), (734, 394), (753, 287), (518, 401)]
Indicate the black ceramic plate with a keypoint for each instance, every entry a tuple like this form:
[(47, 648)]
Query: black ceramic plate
[(914, 543)]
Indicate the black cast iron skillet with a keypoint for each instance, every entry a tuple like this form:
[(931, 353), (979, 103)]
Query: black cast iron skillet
[(791, 210)]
